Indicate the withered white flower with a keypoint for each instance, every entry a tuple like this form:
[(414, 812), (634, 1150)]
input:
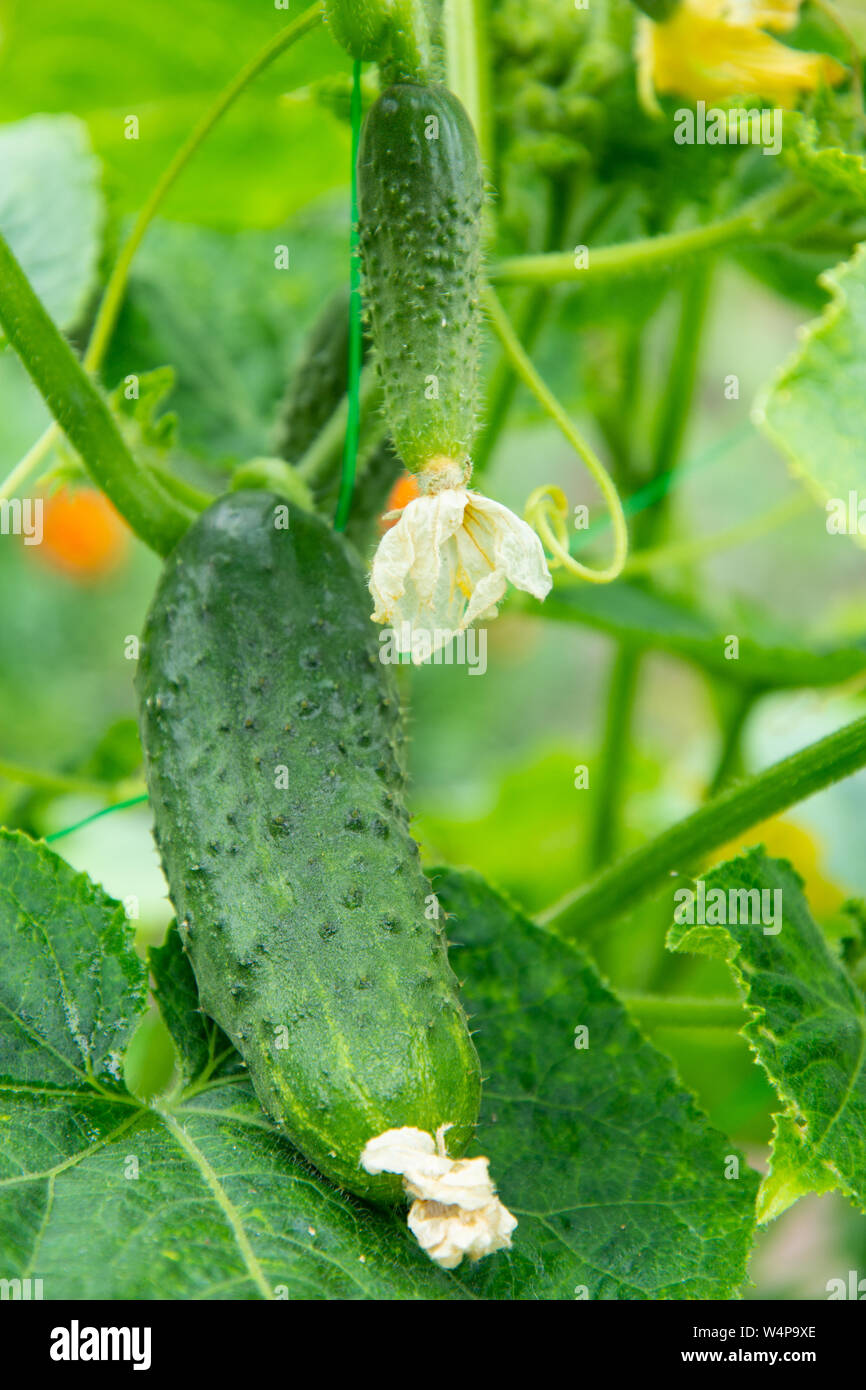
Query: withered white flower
[(448, 559), (456, 1211)]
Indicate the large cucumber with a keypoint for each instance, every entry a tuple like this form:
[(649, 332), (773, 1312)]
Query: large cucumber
[(274, 752), (420, 194)]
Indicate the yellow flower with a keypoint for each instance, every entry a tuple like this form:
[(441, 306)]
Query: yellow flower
[(716, 49)]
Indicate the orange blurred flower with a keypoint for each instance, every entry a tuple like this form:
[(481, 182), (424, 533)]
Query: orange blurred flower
[(83, 536), (404, 491)]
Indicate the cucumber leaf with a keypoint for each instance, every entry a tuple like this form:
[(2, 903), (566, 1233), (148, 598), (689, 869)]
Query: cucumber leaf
[(820, 157), (616, 1177), (814, 411), (198, 1197), (201, 1045), (651, 620), (52, 211), (806, 1027), (232, 353)]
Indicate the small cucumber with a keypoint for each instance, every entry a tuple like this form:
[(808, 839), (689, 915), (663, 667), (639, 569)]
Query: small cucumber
[(274, 752), (393, 33), (420, 194), (359, 26), (319, 380)]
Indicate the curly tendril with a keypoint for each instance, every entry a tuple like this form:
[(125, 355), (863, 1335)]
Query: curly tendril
[(547, 512), (547, 508)]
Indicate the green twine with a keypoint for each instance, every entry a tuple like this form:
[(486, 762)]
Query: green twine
[(106, 811), (350, 451)]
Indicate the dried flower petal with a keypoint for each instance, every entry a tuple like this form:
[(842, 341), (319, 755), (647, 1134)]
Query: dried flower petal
[(457, 1211), (447, 561)]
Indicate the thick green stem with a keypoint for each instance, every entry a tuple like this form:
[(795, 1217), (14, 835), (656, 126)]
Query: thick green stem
[(672, 1011), (681, 375), (83, 414), (614, 755), (618, 419), (728, 764), (753, 223), (468, 66), (680, 389), (670, 430), (585, 911)]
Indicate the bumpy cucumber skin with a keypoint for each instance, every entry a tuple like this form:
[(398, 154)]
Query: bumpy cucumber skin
[(319, 380), (393, 33), (360, 26), (301, 909), (420, 203)]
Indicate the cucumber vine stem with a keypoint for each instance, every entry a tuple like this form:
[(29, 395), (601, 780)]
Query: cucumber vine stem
[(109, 308), (741, 703), (681, 1011), (670, 427), (678, 396), (757, 221), (468, 67), (583, 912), (547, 508), (619, 706), (83, 414)]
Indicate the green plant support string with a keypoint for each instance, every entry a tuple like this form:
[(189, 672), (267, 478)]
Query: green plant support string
[(97, 815), (350, 451)]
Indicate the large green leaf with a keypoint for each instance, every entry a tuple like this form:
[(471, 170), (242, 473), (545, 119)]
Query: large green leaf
[(806, 1027), (231, 351), (815, 409), (51, 210), (652, 620), (165, 64), (616, 1177), (197, 1199), (618, 1180)]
